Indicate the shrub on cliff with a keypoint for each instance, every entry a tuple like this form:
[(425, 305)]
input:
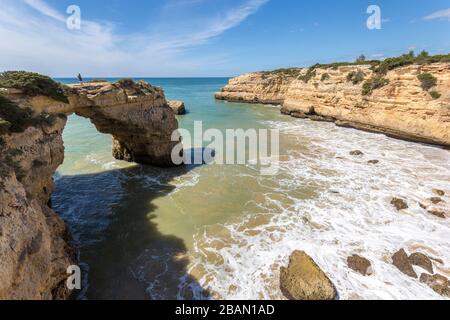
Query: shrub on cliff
[(435, 95), (325, 77), (427, 81), (311, 73), (17, 119), (33, 84), (286, 72), (356, 77), (379, 66), (408, 59), (372, 84)]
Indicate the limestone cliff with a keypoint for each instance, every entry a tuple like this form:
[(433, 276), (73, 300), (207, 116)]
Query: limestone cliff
[(400, 107), (34, 249), (34, 242), (257, 87)]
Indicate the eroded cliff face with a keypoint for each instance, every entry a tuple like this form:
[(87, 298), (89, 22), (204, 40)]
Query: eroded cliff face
[(257, 87), (137, 115), (35, 249), (401, 108)]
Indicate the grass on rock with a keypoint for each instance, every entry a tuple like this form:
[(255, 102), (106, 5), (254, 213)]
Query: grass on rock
[(33, 84)]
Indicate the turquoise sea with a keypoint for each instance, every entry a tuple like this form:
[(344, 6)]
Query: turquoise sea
[(223, 231)]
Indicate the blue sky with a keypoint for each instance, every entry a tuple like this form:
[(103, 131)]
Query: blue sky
[(165, 38)]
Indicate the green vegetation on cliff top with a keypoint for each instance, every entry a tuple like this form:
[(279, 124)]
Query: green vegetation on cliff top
[(33, 84), (381, 67)]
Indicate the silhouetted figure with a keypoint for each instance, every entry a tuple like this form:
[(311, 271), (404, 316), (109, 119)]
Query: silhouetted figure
[(80, 78)]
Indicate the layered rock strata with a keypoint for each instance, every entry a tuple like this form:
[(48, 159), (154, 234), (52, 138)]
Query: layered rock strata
[(401, 108)]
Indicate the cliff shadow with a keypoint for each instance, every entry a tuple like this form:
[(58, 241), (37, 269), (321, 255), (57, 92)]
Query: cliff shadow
[(114, 221)]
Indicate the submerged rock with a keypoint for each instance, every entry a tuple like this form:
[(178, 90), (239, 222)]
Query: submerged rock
[(356, 153), (399, 204), (177, 107), (437, 282), (304, 280), (439, 192), (436, 200), (360, 264), (438, 213), (401, 261), (421, 260), (436, 206), (373, 161)]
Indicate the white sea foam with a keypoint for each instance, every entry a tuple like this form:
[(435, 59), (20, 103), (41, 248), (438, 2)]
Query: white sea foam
[(349, 213)]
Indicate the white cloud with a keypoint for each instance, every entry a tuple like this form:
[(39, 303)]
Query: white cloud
[(441, 14), (45, 9), (38, 40)]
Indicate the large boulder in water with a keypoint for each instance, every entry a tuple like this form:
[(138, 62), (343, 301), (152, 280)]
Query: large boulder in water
[(177, 107), (304, 280)]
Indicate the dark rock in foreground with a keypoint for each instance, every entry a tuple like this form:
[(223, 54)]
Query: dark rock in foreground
[(401, 261)]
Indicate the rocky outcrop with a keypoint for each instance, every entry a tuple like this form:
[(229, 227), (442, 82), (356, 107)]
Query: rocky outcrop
[(257, 87), (360, 265), (34, 242), (438, 283), (177, 107), (421, 260), (304, 280), (399, 204), (34, 249), (401, 260), (401, 108), (436, 206)]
